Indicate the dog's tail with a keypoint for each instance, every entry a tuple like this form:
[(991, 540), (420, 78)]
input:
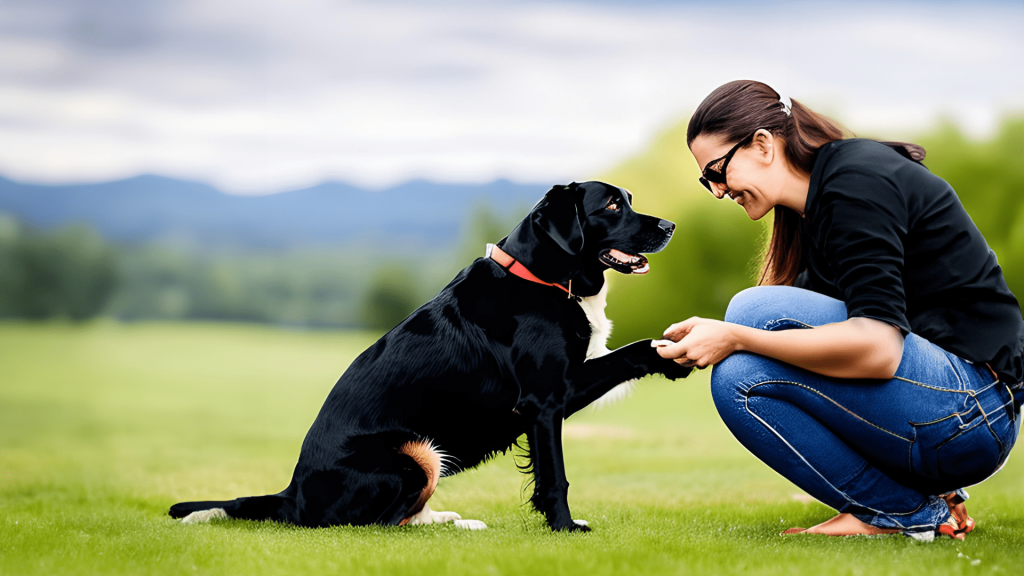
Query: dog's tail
[(272, 507)]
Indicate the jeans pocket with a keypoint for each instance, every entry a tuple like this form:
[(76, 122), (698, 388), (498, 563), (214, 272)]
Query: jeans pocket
[(954, 455)]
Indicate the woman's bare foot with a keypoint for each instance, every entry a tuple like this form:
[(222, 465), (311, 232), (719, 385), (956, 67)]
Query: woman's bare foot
[(843, 525)]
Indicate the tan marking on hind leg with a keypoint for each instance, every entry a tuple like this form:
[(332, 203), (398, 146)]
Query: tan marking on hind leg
[(428, 457), (204, 516), (424, 454)]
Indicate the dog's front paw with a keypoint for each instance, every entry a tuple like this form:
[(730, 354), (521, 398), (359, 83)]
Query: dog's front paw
[(671, 369), (571, 526), (656, 364)]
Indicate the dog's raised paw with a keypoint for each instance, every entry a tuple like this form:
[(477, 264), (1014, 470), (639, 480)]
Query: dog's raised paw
[(204, 516), (470, 524)]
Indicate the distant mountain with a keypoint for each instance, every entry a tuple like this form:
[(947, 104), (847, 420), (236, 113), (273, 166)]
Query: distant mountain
[(148, 209)]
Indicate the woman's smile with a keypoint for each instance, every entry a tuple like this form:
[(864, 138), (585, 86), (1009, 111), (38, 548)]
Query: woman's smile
[(737, 196)]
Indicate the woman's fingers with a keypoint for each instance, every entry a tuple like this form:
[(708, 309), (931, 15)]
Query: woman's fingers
[(673, 351), (680, 329)]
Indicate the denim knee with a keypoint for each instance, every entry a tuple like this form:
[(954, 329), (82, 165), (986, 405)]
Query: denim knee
[(783, 307), (754, 306)]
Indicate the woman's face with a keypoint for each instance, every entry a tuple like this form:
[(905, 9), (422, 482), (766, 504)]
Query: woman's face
[(751, 179)]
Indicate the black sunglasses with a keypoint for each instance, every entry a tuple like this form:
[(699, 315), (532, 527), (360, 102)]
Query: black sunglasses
[(714, 171)]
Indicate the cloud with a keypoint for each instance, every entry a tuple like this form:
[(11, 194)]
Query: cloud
[(271, 94)]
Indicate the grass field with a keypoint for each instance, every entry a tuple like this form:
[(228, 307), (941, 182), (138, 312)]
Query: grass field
[(104, 426)]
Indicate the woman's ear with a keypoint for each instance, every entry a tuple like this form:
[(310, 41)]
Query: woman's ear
[(764, 145)]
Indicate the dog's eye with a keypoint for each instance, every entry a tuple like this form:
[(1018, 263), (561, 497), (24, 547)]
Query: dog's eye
[(614, 206)]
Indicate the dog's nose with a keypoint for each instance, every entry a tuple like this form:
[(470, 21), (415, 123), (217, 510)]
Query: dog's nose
[(666, 226)]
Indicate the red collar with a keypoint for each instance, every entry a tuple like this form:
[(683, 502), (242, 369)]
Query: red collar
[(516, 267)]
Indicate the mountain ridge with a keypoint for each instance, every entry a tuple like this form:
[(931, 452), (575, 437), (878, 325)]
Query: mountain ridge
[(151, 208)]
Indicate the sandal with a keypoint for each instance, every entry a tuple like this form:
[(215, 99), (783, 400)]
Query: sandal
[(959, 524)]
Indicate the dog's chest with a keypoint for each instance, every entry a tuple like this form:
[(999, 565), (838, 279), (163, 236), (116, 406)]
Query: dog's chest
[(600, 330), (600, 325)]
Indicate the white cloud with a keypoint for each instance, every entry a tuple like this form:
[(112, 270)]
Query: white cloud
[(271, 94)]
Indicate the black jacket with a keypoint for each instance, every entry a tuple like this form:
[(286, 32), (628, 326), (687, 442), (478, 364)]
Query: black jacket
[(891, 240)]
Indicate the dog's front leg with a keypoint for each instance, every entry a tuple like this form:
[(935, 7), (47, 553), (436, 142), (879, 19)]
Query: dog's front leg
[(597, 377), (551, 488)]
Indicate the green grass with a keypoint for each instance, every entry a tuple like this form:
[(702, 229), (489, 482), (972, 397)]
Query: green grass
[(104, 426)]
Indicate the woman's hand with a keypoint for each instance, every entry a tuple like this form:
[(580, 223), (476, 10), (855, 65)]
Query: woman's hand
[(855, 348), (700, 342)]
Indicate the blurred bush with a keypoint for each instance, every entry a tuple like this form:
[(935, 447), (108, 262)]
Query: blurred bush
[(71, 273), (392, 295)]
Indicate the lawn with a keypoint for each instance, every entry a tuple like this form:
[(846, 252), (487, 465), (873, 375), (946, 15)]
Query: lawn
[(104, 426)]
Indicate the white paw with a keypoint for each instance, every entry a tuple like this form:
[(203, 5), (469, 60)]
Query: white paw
[(581, 522), (204, 516), (440, 517), (470, 524), (428, 516)]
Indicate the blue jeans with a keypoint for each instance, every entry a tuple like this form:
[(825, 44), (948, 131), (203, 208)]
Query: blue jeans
[(883, 450)]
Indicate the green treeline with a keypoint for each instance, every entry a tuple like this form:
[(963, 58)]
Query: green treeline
[(72, 273)]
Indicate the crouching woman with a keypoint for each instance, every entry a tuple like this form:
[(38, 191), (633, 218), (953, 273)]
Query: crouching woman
[(878, 364)]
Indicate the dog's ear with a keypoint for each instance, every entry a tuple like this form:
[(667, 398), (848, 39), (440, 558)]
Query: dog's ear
[(558, 216)]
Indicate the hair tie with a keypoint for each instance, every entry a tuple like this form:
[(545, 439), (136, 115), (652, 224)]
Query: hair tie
[(787, 104)]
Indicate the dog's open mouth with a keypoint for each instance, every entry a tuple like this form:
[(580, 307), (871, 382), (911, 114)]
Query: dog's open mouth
[(624, 263)]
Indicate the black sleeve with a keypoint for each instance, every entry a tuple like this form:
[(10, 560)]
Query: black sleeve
[(861, 222)]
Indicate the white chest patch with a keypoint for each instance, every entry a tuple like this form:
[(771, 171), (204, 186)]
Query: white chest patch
[(600, 330)]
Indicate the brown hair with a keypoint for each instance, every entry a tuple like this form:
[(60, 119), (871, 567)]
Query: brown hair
[(738, 109)]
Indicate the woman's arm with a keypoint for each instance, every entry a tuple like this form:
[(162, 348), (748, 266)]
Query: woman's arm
[(855, 348)]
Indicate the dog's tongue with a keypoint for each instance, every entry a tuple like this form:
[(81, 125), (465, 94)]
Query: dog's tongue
[(637, 263), (620, 256)]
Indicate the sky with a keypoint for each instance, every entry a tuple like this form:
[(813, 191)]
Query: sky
[(257, 96)]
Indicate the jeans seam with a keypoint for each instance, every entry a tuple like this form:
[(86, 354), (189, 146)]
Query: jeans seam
[(930, 387), (746, 405), (944, 418), (844, 408)]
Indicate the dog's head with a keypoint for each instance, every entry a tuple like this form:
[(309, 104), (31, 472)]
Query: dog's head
[(576, 232)]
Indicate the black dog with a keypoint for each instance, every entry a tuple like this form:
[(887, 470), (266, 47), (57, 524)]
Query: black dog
[(501, 351)]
